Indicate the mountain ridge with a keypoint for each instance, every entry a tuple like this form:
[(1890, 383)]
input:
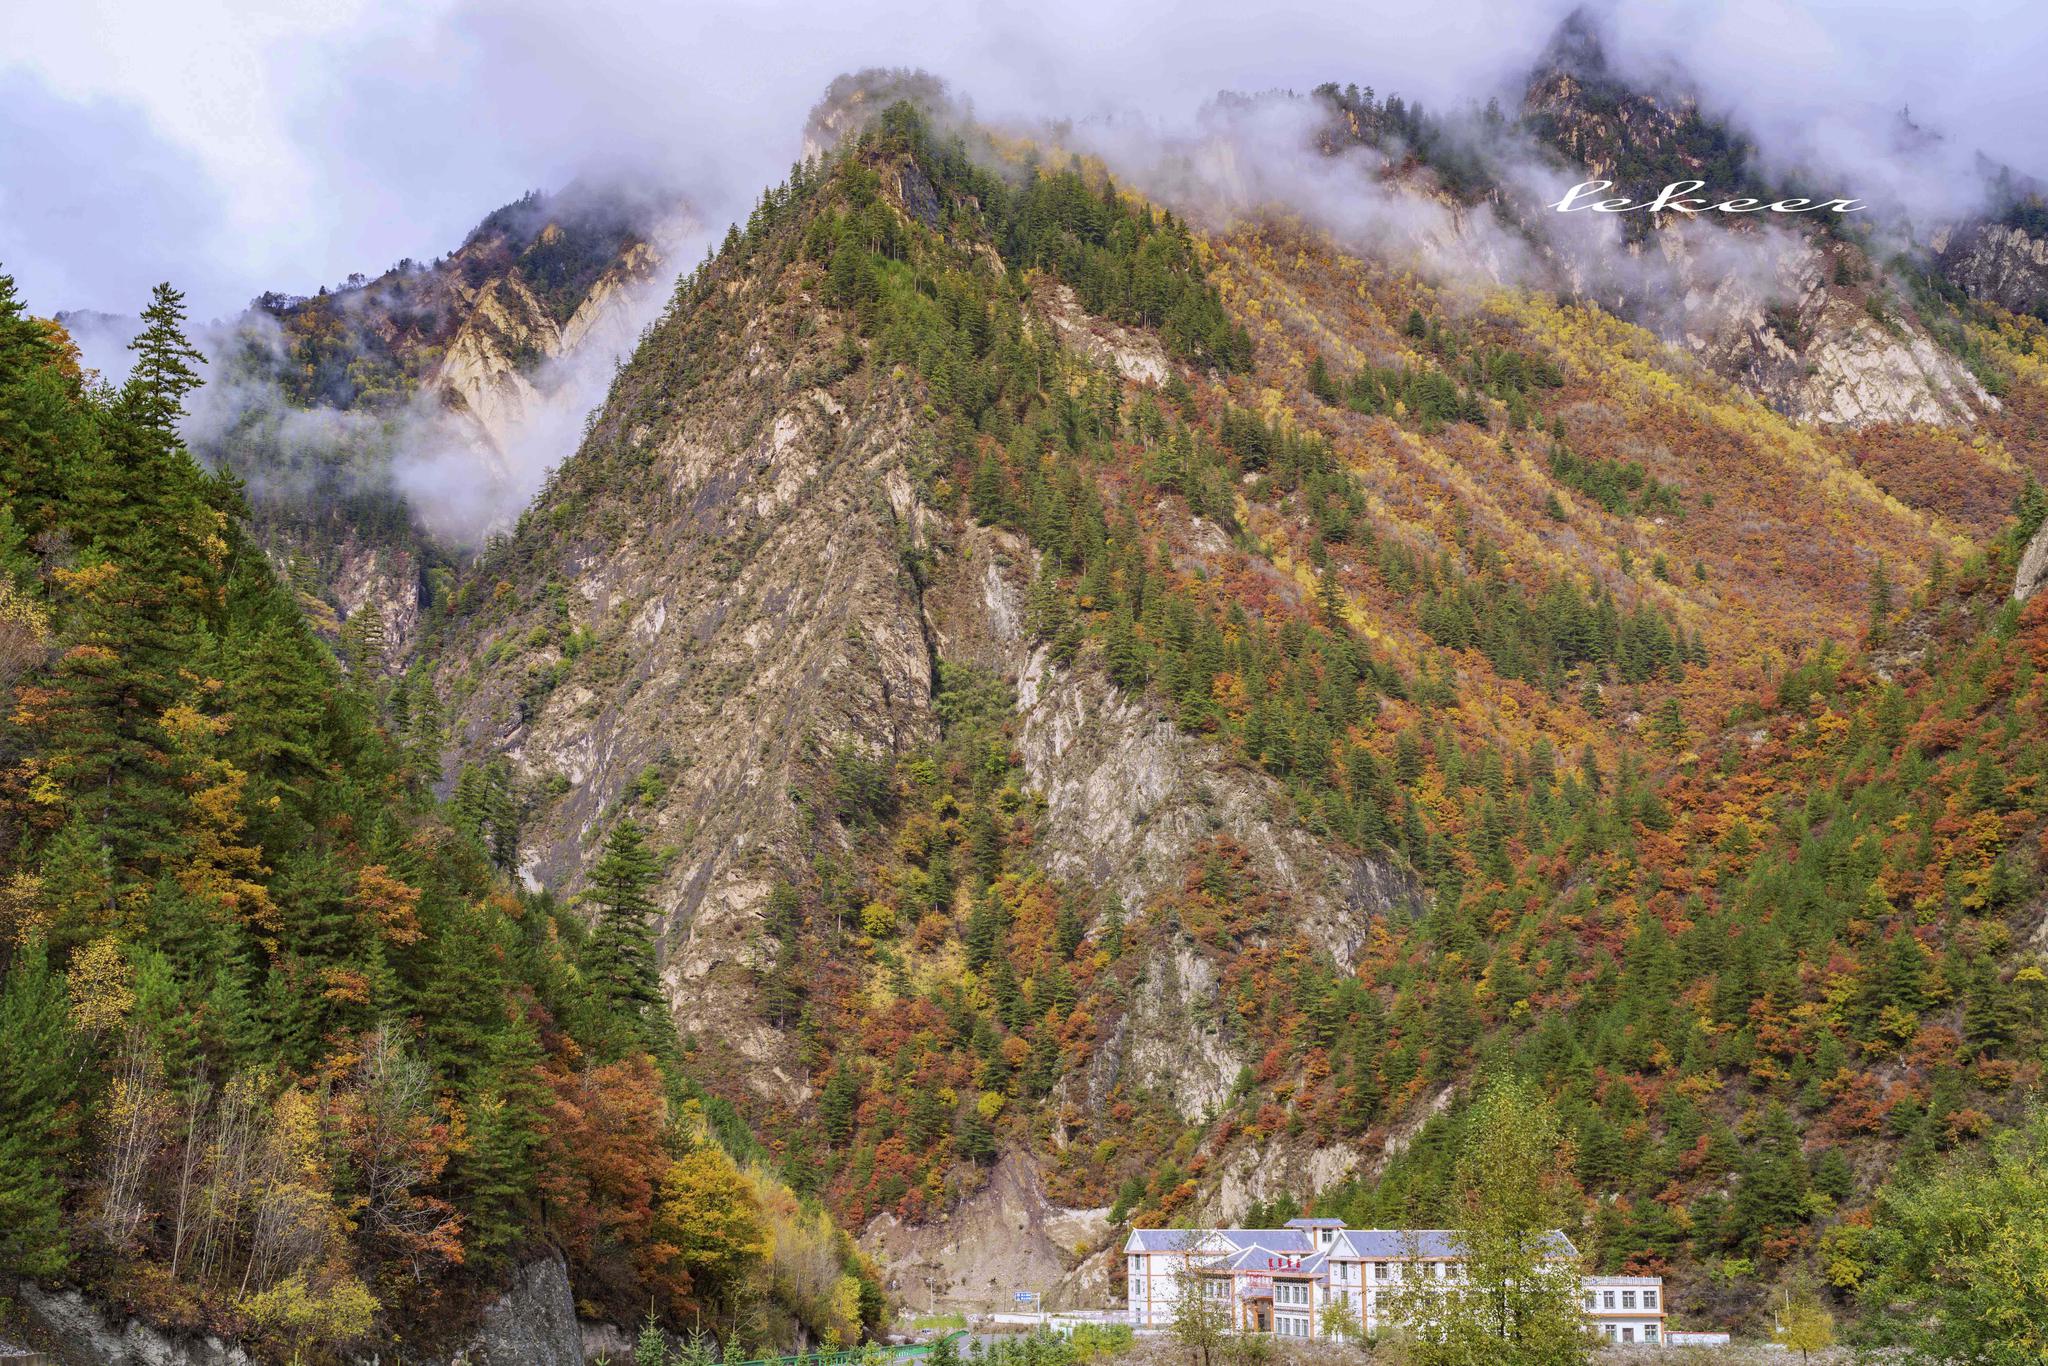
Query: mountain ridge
[(1035, 702), (1237, 267)]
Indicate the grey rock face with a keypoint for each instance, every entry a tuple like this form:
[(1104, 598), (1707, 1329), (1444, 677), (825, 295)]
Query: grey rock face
[(532, 1324), (751, 617), (85, 1334), (2033, 572), (1129, 796), (1129, 799), (1997, 263)]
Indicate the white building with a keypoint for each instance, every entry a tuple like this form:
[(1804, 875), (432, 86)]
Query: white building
[(1626, 1308), (1280, 1280)]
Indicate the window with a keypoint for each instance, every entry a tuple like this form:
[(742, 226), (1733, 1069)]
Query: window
[(1649, 1332), (1379, 1271), (1610, 1332), (1440, 1269), (1628, 1335), (1607, 1299), (1135, 1292), (1589, 1299), (1628, 1299), (1649, 1299)]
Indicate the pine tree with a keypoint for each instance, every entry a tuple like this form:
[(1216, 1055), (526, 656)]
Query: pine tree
[(38, 1073), (164, 372), (1880, 602), (986, 497), (497, 1173), (838, 1102), (620, 970), (1113, 928)]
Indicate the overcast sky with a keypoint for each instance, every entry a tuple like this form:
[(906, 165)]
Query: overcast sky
[(233, 146)]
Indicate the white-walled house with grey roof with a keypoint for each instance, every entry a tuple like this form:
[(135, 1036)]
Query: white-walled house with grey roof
[(1281, 1280)]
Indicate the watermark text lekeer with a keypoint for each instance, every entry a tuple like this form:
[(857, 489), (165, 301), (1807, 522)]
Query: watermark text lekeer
[(1677, 197)]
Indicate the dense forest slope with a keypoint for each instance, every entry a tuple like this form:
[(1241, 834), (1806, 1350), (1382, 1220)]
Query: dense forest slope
[(283, 1054)]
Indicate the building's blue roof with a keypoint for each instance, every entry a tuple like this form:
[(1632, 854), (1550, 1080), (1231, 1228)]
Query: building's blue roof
[(1270, 1239), (1164, 1239), (1357, 1244), (1391, 1244)]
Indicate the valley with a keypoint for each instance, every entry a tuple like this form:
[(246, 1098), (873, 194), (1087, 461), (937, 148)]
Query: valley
[(1039, 699)]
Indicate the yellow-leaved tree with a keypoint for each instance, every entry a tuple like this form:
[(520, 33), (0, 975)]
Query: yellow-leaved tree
[(707, 1217)]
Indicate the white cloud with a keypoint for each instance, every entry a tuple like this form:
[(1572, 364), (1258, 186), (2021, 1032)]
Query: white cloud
[(340, 135)]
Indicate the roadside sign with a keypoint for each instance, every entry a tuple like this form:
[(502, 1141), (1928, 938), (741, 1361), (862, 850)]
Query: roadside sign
[(1026, 1296)]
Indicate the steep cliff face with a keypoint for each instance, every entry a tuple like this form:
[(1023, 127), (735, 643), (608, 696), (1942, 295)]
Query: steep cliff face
[(383, 427), (496, 370), (2033, 571), (1800, 323), (749, 574), (750, 611), (2000, 263)]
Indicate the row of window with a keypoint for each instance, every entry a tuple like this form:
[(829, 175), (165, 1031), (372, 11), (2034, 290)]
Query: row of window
[(1626, 1332), (1442, 1271), (1297, 1292), (1290, 1326)]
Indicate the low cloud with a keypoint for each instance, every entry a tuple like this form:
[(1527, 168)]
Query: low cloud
[(377, 136), (387, 134), (1244, 158)]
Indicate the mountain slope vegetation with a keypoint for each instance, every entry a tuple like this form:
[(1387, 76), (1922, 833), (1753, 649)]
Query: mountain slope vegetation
[(285, 1054), (1481, 595), (1024, 687)]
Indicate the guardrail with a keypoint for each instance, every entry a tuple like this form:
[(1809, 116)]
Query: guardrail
[(908, 1352)]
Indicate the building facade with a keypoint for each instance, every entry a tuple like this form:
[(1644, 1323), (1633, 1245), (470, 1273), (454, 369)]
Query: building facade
[(1626, 1308), (1316, 1278)]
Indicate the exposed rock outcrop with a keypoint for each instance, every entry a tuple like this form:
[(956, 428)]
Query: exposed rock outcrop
[(1863, 371), (1005, 1237), (1129, 796), (1755, 299), (1995, 262), (76, 1330), (385, 578), (532, 1324), (2033, 572), (495, 370), (756, 615)]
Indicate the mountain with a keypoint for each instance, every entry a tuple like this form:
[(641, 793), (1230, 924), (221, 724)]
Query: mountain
[(1107, 769), (383, 427), (1043, 700), (288, 1059)]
